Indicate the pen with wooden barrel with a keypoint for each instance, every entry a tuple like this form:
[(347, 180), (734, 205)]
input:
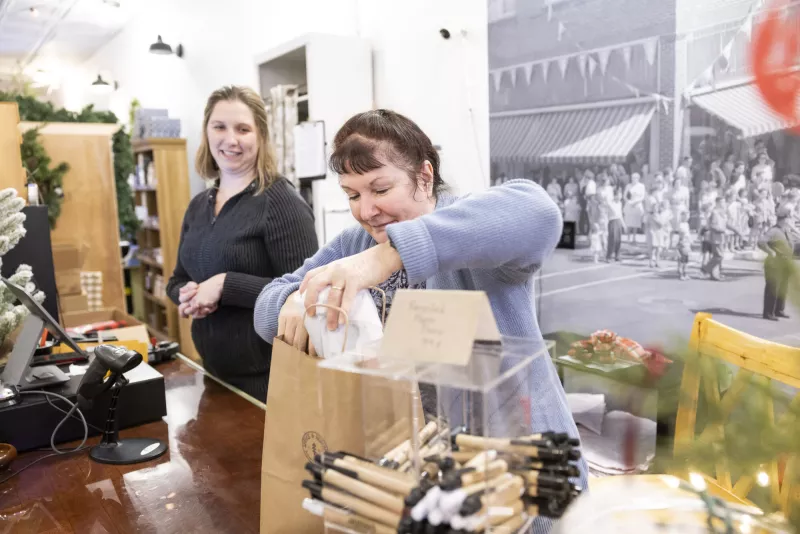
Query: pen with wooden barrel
[(498, 515), (517, 462), (543, 507), (508, 491), (343, 518), (368, 464), (542, 450), (358, 506), (389, 435), (348, 480), (399, 455), (558, 438), (377, 476), (545, 480), (451, 501), (432, 450), (472, 475), (569, 471)]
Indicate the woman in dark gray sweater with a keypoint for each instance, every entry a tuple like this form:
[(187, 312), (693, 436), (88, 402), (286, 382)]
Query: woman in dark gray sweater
[(251, 227)]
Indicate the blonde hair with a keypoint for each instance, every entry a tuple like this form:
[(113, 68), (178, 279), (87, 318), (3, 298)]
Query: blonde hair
[(266, 170)]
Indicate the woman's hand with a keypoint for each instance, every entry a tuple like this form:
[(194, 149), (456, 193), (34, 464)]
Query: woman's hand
[(185, 296), (348, 276), (291, 326), (206, 297)]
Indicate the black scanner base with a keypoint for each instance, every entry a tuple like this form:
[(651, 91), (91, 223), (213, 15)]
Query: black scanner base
[(30, 423)]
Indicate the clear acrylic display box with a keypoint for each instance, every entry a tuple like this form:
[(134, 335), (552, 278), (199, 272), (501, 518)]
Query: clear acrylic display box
[(494, 395)]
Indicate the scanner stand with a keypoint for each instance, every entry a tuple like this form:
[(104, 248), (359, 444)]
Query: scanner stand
[(111, 449)]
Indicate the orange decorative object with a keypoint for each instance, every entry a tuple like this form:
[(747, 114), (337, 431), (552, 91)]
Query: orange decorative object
[(776, 50)]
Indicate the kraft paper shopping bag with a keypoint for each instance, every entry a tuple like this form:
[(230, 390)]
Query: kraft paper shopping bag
[(311, 410)]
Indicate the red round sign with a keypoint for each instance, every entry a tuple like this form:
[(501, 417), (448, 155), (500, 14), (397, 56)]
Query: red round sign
[(775, 51)]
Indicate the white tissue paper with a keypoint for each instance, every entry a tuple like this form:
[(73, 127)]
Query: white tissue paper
[(588, 409), (366, 329)]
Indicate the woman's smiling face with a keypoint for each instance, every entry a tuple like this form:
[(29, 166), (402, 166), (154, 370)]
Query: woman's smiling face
[(388, 195)]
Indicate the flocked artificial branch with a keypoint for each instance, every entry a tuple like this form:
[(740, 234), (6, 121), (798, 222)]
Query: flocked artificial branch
[(12, 229)]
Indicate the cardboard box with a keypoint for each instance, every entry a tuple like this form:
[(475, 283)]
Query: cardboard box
[(73, 319), (134, 335), (73, 303), (67, 256), (68, 282)]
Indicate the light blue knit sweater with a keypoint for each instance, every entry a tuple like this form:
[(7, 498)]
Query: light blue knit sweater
[(493, 241)]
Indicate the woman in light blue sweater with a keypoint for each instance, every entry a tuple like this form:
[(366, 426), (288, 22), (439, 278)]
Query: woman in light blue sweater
[(414, 235)]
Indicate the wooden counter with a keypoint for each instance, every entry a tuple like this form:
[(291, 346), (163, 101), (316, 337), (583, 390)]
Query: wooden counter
[(209, 481)]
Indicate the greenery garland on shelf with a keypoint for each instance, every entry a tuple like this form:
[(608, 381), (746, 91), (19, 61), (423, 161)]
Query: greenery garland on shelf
[(37, 162), (49, 180)]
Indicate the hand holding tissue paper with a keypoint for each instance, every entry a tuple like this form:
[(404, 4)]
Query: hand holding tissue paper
[(364, 334)]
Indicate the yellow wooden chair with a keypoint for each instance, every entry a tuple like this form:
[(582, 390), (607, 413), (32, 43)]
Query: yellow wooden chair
[(758, 360)]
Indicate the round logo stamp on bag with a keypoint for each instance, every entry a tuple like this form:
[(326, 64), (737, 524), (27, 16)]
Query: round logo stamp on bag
[(313, 444)]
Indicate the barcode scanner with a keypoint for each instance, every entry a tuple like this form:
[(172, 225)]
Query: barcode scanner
[(111, 449), (117, 360)]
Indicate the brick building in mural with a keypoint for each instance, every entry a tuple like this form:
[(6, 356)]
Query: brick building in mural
[(585, 82)]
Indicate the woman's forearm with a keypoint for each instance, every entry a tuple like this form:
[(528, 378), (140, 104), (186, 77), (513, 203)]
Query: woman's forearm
[(516, 224), (271, 299)]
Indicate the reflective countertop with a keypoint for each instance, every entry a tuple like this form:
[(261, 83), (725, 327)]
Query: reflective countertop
[(208, 481)]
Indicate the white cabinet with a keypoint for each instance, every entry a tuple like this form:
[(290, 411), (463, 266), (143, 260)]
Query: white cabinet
[(334, 76)]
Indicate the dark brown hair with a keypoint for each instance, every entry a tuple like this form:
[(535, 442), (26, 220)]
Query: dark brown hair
[(369, 140)]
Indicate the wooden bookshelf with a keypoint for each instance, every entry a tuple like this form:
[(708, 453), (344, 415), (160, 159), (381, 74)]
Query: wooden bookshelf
[(166, 200)]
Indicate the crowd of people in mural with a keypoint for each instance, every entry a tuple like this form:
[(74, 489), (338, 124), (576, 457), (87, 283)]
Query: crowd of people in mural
[(717, 206)]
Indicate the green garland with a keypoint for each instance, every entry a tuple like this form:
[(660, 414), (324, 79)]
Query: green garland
[(37, 166), (31, 109)]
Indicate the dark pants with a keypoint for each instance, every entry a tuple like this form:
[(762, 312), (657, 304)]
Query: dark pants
[(614, 238), (583, 220), (715, 263), (776, 275)]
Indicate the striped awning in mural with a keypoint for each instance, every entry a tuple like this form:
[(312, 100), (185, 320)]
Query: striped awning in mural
[(506, 134), (583, 136), (743, 108)]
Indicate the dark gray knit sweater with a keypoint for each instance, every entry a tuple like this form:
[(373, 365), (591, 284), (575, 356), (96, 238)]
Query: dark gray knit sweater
[(254, 239)]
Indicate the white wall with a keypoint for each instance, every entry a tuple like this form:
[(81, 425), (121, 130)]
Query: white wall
[(416, 72)]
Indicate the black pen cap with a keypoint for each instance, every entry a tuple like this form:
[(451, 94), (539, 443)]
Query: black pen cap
[(552, 455), (574, 455), (327, 456), (451, 481), (315, 469), (471, 505), (314, 488), (405, 526), (547, 480), (568, 470), (426, 485), (413, 498)]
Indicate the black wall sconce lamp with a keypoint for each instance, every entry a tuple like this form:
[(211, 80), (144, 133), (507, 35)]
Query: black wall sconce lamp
[(162, 48), (102, 86)]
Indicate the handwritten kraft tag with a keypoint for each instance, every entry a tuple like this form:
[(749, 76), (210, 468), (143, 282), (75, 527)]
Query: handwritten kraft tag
[(437, 326)]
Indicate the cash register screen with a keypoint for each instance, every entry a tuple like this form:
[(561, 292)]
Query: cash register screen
[(37, 310)]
